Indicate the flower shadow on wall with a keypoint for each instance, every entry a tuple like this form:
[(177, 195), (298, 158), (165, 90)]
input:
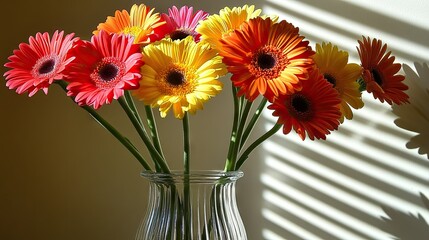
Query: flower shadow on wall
[(413, 117), (404, 226)]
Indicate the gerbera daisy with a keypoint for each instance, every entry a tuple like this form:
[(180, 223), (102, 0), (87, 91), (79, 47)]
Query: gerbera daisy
[(266, 58), (103, 69), (35, 66), (141, 23), (182, 23), (415, 115), (380, 72), (216, 26), (313, 111), (179, 74), (343, 76)]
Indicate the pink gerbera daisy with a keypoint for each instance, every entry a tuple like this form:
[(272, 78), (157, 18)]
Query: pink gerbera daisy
[(182, 22), (103, 69), (35, 66)]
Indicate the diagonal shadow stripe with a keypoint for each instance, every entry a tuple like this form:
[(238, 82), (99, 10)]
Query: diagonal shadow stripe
[(421, 36)]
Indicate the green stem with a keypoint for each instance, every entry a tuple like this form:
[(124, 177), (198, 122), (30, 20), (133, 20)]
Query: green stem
[(237, 106), (242, 123), (186, 144), (131, 104), (252, 122), (186, 163), (157, 158), (153, 129), (255, 144), (125, 142), (151, 124)]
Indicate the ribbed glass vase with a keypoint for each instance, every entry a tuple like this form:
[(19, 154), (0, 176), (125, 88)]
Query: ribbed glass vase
[(199, 206)]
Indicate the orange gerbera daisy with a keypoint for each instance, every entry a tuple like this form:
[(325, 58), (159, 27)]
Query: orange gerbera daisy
[(266, 58), (313, 111), (380, 72), (141, 23)]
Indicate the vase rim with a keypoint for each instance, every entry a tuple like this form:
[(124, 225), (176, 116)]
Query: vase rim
[(193, 176)]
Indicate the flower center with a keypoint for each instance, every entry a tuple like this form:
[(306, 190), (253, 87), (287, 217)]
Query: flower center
[(108, 72), (266, 60), (133, 31), (377, 76), (299, 107), (175, 78), (179, 34), (45, 67), (330, 79), (176, 81)]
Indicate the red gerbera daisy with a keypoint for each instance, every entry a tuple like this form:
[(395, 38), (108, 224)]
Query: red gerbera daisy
[(380, 72), (313, 111), (35, 66), (103, 69), (266, 58), (182, 22)]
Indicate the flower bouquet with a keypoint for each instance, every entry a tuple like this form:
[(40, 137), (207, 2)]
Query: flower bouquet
[(175, 62)]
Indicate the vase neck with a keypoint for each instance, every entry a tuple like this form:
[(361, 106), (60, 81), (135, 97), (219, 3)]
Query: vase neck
[(194, 177)]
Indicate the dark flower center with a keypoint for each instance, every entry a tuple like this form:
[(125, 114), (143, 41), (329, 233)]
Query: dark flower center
[(266, 61), (377, 76), (108, 72), (300, 107), (47, 66), (179, 35), (330, 79), (175, 78)]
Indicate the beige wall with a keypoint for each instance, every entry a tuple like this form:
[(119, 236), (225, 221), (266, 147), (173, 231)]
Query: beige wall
[(61, 175)]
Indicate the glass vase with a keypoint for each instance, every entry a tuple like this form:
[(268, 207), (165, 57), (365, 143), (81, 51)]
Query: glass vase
[(200, 206)]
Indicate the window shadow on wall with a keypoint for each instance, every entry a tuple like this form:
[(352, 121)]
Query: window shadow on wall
[(335, 189)]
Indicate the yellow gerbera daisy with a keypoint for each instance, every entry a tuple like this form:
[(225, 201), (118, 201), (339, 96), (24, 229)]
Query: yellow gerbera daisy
[(141, 23), (180, 74), (216, 26), (333, 64)]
